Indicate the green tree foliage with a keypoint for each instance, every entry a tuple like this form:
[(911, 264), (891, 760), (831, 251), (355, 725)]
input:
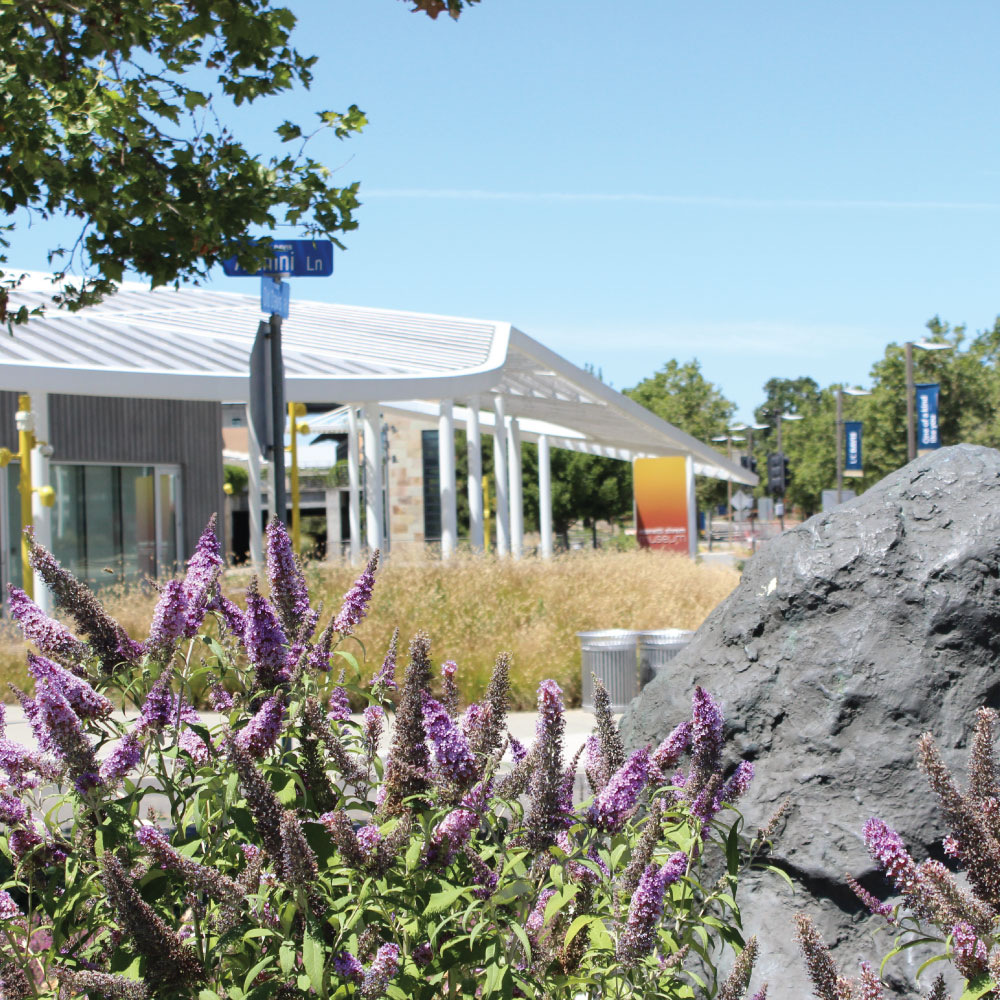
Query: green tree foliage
[(681, 395), (112, 115)]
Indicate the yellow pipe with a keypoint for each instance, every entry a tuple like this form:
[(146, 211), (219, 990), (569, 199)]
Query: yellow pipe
[(25, 421), (296, 410)]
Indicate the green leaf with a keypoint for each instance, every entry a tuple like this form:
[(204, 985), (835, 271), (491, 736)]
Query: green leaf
[(578, 924), (978, 987), (350, 657), (312, 956), (255, 972), (522, 936), (733, 850), (208, 995), (286, 957), (442, 900)]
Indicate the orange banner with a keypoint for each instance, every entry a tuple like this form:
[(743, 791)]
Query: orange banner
[(664, 504)]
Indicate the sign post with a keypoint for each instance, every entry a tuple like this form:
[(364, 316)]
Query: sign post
[(298, 258)]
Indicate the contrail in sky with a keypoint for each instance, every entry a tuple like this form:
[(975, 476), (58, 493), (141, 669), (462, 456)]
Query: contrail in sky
[(710, 201)]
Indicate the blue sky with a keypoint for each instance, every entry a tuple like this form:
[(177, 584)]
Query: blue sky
[(776, 189)]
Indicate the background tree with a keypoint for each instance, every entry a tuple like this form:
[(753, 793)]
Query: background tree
[(99, 121), (681, 395)]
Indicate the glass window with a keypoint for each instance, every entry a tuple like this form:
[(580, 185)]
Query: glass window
[(168, 511), (69, 525), (13, 560)]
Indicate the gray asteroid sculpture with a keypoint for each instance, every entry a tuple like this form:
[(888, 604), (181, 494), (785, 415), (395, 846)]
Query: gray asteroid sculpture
[(847, 638)]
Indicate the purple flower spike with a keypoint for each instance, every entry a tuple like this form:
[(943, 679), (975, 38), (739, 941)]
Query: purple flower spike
[(736, 787), (374, 723), (235, 620), (48, 635), (383, 968), (536, 919), (646, 908), (265, 640), (9, 910), (669, 752), (968, 947), (170, 619), (451, 749), (450, 835), (84, 700), (348, 967), (339, 706), (706, 735), (123, 758), (201, 580), (886, 847), (157, 709), (288, 585), (263, 730), (617, 801), (355, 605)]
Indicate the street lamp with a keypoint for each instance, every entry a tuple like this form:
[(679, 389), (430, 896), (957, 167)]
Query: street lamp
[(839, 433), (911, 431)]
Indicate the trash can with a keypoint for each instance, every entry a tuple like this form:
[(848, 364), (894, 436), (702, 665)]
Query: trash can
[(610, 655), (657, 648)]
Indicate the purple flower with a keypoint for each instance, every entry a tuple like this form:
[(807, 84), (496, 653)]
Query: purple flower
[(348, 967), (12, 810), (423, 954), (617, 801), (518, 750), (669, 752), (706, 737), (736, 787), (201, 579), (193, 745), (383, 968), (451, 749), (339, 706), (355, 605), (262, 731), (125, 755), (886, 847), (51, 637), (84, 700), (952, 847), (374, 722), (450, 835), (386, 676), (369, 838), (170, 618), (875, 906), (646, 908), (233, 617), (477, 798), (9, 910), (159, 704), (265, 641), (288, 585), (222, 700), (536, 919), (60, 725), (967, 945)]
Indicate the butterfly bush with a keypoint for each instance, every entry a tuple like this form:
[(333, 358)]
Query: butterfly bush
[(292, 849), (954, 906)]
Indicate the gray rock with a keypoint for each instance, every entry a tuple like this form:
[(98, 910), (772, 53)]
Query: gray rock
[(847, 638)]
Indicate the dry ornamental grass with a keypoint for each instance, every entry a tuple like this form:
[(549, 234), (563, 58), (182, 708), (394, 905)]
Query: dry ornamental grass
[(475, 607)]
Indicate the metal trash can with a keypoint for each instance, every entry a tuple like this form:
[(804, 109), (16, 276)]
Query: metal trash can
[(657, 648), (610, 654)]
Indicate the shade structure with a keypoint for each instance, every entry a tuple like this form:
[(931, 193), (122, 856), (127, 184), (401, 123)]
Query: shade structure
[(194, 343)]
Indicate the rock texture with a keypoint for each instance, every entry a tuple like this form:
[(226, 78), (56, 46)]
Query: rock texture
[(846, 639)]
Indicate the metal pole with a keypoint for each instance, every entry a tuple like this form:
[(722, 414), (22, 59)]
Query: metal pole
[(729, 489), (278, 409), (781, 498), (839, 437), (911, 433)]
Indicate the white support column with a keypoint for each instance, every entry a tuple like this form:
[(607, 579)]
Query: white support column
[(500, 477), (545, 495), (446, 477), (475, 453), (516, 491), (40, 472), (254, 494), (354, 485), (333, 539), (372, 429)]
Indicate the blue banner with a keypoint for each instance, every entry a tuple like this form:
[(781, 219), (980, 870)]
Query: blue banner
[(852, 448), (927, 416)]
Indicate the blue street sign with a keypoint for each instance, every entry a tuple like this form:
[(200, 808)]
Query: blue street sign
[(275, 296), (290, 258)]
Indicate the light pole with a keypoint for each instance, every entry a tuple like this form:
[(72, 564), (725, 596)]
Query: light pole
[(911, 430), (839, 434), (778, 418), (729, 439)]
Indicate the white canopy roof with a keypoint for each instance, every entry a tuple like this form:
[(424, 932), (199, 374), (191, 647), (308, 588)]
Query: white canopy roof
[(194, 343)]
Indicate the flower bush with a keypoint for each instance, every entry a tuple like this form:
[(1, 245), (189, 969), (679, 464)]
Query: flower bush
[(280, 854), (961, 916)]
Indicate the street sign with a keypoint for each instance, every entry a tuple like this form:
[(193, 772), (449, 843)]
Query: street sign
[(275, 296), (290, 258), (742, 501)]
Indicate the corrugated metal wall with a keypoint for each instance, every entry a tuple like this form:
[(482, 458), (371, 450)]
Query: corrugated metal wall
[(147, 431)]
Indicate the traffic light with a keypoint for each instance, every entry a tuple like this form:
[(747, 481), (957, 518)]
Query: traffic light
[(749, 463), (786, 476), (777, 467)]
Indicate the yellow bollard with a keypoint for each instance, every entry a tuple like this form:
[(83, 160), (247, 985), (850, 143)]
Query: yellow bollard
[(296, 410), (24, 419)]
